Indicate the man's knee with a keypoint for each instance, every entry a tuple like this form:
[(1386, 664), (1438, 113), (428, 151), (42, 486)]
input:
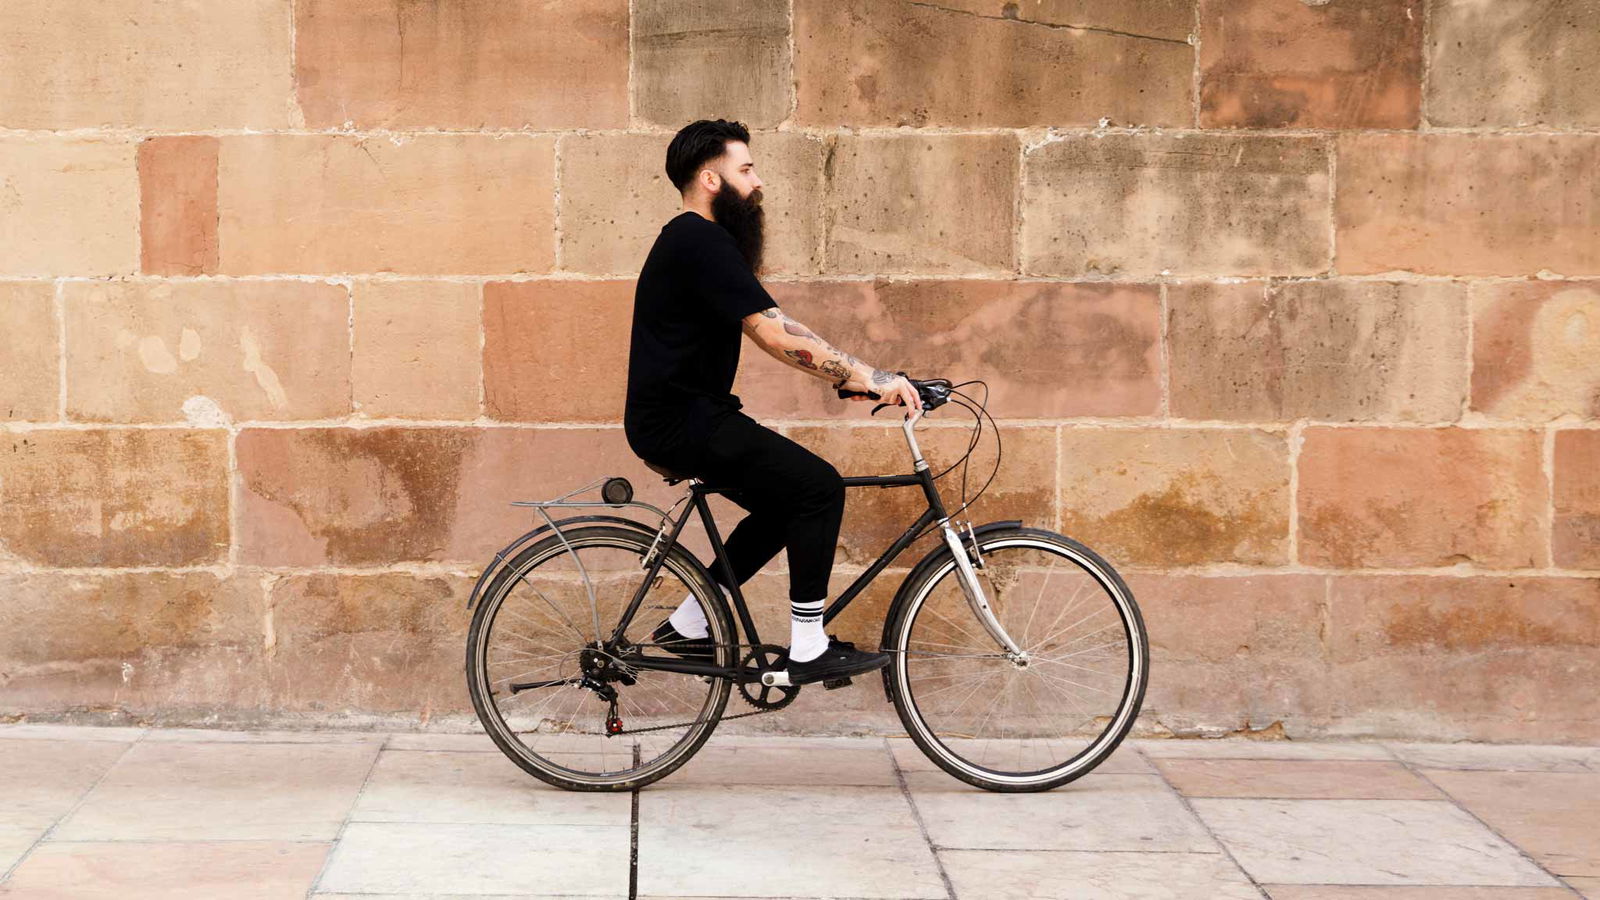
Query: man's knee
[(823, 486)]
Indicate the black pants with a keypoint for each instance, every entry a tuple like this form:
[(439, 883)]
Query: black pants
[(795, 499)]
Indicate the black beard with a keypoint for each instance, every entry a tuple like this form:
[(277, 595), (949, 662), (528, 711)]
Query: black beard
[(743, 217)]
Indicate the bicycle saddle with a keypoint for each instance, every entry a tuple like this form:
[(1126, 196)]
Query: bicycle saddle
[(667, 475)]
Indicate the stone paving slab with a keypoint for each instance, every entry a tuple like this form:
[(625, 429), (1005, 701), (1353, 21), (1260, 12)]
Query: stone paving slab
[(42, 779), (764, 841), (1365, 842), (1425, 892), (1554, 816), (1028, 874), (137, 870), (1096, 812), (225, 790), (475, 859), (1501, 757), (1300, 779), (192, 812), (437, 786)]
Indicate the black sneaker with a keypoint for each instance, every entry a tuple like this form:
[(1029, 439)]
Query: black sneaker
[(840, 660), (696, 649)]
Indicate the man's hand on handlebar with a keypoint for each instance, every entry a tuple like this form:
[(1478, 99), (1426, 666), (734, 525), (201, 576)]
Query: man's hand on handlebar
[(897, 392)]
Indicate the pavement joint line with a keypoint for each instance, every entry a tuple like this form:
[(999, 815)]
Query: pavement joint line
[(905, 791), (1450, 798), (349, 814), (45, 835), (633, 834), (1150, 761)]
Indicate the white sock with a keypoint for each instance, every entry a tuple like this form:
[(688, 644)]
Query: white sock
[(806, 637), (689, 619)]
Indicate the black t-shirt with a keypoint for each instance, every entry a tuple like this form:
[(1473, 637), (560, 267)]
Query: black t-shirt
[(693, 292)]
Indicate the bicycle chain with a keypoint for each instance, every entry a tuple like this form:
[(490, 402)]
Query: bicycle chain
[(743, 715)]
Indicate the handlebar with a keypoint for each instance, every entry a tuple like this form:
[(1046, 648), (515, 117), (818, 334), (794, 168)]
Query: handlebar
[(935, 392)]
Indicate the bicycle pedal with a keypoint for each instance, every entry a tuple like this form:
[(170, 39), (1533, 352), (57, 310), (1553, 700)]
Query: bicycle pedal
[(833, 684)]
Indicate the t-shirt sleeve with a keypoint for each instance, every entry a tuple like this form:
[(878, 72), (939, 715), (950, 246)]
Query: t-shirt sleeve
[(723, 281)]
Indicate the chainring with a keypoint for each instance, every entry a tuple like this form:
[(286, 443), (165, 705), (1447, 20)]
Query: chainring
[(766, 657)]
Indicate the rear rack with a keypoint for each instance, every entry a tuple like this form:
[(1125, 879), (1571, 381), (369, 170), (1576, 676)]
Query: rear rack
[(619, 487)]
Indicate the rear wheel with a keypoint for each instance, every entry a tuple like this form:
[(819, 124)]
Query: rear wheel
[(556, 697), (1020, 723)]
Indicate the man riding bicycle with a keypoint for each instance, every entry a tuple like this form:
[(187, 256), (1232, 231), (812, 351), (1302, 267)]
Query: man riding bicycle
[(696, 292)]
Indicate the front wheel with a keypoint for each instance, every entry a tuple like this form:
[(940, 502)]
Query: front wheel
[(1028, 722)]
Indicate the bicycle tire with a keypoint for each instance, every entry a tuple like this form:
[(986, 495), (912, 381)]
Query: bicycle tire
[(916, 591), (684, 566)]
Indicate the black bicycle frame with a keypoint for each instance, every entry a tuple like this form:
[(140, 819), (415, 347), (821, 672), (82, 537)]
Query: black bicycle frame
[(698, 493)]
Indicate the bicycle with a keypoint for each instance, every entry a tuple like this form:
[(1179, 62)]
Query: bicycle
[(962, 622)]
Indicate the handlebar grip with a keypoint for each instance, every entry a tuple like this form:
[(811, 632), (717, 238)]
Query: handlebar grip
[(846, 395)]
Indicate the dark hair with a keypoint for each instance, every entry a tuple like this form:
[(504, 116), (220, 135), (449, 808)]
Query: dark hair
[(698, 143)]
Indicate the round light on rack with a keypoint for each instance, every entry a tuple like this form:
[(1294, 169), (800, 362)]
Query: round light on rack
[(617, 490)]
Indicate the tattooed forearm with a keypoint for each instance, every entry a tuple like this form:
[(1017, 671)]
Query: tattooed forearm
[(800, 347)]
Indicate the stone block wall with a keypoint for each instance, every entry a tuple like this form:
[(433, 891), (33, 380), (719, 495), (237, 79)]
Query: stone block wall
[(1291, 310)]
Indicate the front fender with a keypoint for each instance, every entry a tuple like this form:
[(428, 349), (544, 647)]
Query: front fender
[(501, 556), (932, 558)]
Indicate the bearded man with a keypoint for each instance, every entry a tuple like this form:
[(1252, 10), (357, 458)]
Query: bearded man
[(697, 292)]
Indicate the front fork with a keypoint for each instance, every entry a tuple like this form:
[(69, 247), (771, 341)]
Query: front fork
[(973, 588)]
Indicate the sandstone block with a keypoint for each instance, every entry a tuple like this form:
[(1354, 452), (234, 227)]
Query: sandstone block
[(462, 66), (145, 64), (72, 207), (417, 349), (365, 496), (431, 204), (615, 197), (385, 643), (1419, 614), (1046, 349), (1342, 350), (167, 351), (1236, 650), (1188, 204), (1176, 496), (1464, 204), (556, 351), (1287, 64), (29, 352), (1535, 695), (1513, 63), (711, 59), (178, 205), (115, 497), (1577, 499), (1376, 497), (932, 204), (146, 642), (1023, 488), (904, 63), (1534, 349), (1480, 658)]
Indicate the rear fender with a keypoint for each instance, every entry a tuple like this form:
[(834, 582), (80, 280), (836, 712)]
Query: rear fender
[(504, 554)]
